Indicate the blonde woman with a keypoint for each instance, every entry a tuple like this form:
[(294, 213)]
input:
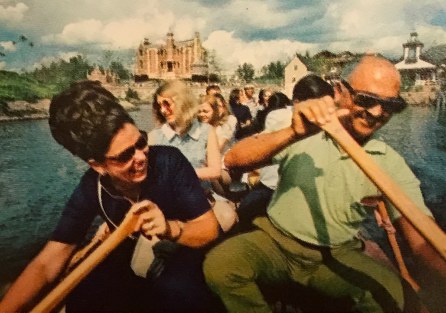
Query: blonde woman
[(214, 110), (175, 108)]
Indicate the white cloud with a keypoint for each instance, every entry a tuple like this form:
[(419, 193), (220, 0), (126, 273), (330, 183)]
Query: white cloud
[(431, 35), (380, 26), (363, 19), (11, 14), (355, 25), (234, 51), (126, 33), (87, 31), (186, 27), (2, 65), (8, 45)]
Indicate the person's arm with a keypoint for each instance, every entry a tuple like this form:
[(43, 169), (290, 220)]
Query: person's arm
[(257, 151), (212, 170), (43, 270), (421, 249), (197, 232), (222, 143)]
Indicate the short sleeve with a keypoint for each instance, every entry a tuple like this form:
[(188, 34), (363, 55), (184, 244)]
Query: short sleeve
[(79, 212), (188, 198)]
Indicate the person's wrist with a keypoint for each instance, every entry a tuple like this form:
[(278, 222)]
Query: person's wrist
[(175, 229), (294, 133)]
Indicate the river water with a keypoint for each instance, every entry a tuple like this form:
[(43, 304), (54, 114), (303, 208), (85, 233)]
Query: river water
[(37, 176)]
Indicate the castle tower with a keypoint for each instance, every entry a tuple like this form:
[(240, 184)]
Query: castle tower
[(170, 45), (171, 60)]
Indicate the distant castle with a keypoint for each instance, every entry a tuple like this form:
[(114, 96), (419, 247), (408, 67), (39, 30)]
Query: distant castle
[(183, 59)]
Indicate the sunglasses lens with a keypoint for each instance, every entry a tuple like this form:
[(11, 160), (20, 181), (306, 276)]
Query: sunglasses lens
[(141, 143), (394, 105), (399, 105), (126, 155), (365, 101)]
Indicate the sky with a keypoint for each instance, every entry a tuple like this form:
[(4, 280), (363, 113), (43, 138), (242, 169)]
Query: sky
[(36, 32)]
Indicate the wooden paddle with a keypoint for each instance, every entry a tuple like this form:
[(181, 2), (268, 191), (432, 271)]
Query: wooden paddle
[(424, 224), (84, 268)]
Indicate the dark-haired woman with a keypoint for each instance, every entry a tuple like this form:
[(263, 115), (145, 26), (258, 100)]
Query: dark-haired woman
[(124, 173)]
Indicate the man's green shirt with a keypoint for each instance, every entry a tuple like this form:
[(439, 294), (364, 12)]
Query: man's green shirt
[(318, 196)]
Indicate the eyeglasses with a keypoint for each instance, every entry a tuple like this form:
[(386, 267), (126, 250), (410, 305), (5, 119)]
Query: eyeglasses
[(165, 103), (128, 153), (369, 100)]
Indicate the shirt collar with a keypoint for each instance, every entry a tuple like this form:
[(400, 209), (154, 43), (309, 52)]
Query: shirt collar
[(194, 131), (372, 146)]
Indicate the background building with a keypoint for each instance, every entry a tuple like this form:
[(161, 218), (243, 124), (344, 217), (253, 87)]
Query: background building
[(172, 60), (412, 66), (294, 71)]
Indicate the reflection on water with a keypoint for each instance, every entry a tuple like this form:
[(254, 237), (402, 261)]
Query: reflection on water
[(419, 134), (37, 176)]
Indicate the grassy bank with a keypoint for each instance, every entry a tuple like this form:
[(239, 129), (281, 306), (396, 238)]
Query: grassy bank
[(14, 86), (21, 87)]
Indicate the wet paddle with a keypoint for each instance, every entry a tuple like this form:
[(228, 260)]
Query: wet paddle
[(424, 224), (84, 268)]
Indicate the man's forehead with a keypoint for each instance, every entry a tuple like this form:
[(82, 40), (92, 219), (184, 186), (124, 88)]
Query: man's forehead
[(376, 76)]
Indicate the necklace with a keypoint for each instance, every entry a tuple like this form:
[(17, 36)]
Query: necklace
[(102, 206)]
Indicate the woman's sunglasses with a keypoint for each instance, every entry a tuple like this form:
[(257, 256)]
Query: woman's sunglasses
[(368, 100), (128, 153)]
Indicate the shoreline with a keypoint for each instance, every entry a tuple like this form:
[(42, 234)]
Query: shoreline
[(40, 110)]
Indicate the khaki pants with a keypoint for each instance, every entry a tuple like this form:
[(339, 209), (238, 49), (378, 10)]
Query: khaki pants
[(233, 269)]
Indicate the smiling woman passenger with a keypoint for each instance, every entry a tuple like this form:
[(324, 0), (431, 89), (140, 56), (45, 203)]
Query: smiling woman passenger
[(175, 108), (124, 171)]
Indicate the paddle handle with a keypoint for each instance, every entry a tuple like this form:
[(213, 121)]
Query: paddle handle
[(423, 223), (83, 269)]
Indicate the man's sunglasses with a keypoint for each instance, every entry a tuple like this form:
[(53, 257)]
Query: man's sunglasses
[(128, 153), (369, 100)]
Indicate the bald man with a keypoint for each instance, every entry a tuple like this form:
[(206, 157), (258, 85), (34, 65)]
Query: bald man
[(309, 235)]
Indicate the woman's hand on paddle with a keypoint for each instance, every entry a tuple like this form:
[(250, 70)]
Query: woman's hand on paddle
[(151, 220)]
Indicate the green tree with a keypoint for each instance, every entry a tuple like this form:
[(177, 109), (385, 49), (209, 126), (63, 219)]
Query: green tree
[(214, 66), (245, 72), (62, 73), (118, 68), (273, 71)]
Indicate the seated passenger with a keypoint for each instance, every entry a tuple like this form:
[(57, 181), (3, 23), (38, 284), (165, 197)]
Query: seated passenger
[(124, 172), (309, 235), (242, 113), (175, 108)]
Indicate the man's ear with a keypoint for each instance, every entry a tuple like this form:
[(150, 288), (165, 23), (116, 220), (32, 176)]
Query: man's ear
[(97, 166), (338, 93), (342, 97)]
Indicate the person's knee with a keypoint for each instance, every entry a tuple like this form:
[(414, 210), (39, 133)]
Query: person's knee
[(224, 269), (215, 270)]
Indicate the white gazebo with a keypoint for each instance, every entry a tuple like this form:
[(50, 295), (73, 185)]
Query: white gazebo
[(421, 72)]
